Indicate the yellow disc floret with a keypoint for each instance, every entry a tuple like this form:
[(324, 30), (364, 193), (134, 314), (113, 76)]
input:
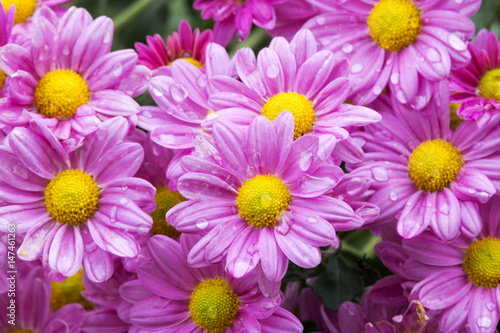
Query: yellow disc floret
[(60, 93), (455, 120), (24, 9), (19, 330), (165, 200), (69, 291), (262, 200), (3, 77), (489, 85), (190, 60), (213, 305), (300, 107), (482, 262), (71, 197), (434, 164), (394, 24)]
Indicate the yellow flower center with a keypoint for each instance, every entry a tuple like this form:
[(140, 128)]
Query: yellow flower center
[(455, 120), (489, 85), (213, 305), (60, 93), (482, 262), (69, 291), (190, 60), (71, 197), (394, 24), (262, 200), (165, 200), (24, 9), (434, 164), (20, 330), (300, 107), (3, 77)]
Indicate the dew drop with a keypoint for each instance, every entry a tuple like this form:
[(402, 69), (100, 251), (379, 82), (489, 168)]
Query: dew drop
[(90, 247), (393, 195), (107, 37), (377, 90), (320, 20), (305, 160), (433, 55), (123, 201), (272, 71), (124, 188), (167, 139), (400, 95), (395, 78), (383, 135), (202, 81), (157, 92), (491, 306), (456, 42), (66, 50), (112, 214), (143, 229), (202, 223), (161, 303), (356, 68), (178, 92), (147, 114), (347, 48), (312, 220), (380, 174), (484, 322)]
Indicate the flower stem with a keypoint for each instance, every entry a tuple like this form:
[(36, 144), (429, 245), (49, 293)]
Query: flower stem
[(131, 12)]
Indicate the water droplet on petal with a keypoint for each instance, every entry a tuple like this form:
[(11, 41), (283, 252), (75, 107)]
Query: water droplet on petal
[(356, 68), (491, 306), (178, 92), (161, 303), (433, 55), (400, 95), (147, 114), (157, 92), (347, 48), (112, 214), (312, 220), (380, 174), (305, 160), (272, 71), (395, 78), (118, 70), (202, 223), (484, 322), (393, 195), (107, 37), (123, 201), (320, 20), (66, 50), (90, 247), (202, 80), (143, 229), (167, 139)]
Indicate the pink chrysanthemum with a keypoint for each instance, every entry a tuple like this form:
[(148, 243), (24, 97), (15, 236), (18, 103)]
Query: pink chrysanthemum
[(84, 207), (236, 16), (296, 77), (406, 44), (291, 15), (460, 278), (477, 86), (262, 203), (423, 174), (6, 21), (185, 44), (182, 98), (32, 308), (70, 79), (171, 296)]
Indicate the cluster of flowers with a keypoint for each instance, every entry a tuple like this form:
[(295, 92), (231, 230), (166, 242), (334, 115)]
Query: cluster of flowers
[(375, 115)]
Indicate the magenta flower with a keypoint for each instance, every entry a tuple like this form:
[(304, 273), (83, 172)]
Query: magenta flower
[(235, 16), (80, 208), (405, 44), (185, 44), (262, 203), (422, 174), (291, 15), (296, 77), (69, 79), (476, 86), (171, 296), (33, 311), (460, 278), (6, 22)]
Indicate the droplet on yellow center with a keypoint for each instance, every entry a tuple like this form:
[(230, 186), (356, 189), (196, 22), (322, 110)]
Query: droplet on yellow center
[(71, 197), (213, 305), (190, 60), (394, 24), (69, 291), (165, 200), (489, 85), (24, 9), (300, 107), (262, 200), (455, 120), (3, 77), (482, 262), (434, 164), (60, 93)]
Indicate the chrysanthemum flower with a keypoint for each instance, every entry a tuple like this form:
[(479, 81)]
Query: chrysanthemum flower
[(403, 43), (70, 79), (6, 21), (33, 311), (264, 202), (291, 16), (423, 174), (80, 208), (477, 86), (236, 16), (171, 296), (460, 278), (296, 77), (185, 44), (182, 98)]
